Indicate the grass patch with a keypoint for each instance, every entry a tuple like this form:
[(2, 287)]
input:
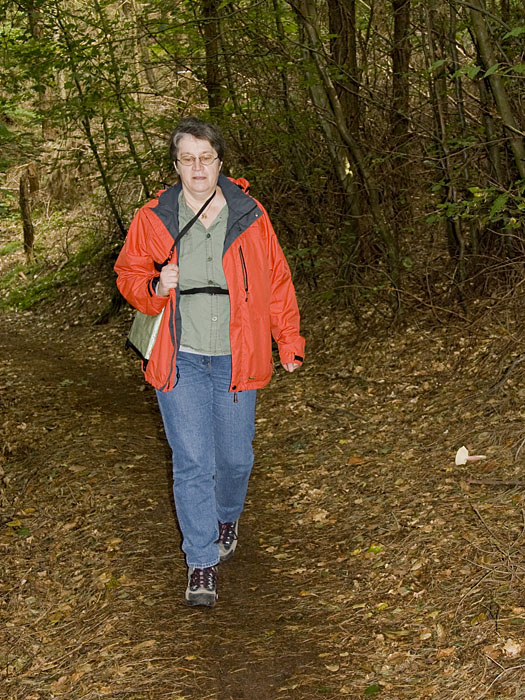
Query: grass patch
[(25, 286), (11, 247)]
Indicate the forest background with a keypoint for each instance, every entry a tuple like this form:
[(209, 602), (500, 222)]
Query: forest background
[(385, 138)]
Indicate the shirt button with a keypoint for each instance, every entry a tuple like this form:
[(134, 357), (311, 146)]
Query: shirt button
[(214, 318), (210, 282), (210, 259), (208, 235)]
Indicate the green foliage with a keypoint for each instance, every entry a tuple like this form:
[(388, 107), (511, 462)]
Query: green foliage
[(23, 287), (11, 247), (90, 91), (488, 206), (8, 213), (372, 689), (471, 71), (515, 32)]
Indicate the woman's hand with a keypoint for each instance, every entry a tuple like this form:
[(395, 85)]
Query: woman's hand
[(169, 279), (290, 366)]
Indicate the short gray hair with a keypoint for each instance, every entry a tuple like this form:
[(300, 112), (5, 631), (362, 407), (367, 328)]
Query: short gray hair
[(200, 130)]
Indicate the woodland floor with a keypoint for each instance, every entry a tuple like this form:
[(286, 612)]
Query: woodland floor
[(368, 564)]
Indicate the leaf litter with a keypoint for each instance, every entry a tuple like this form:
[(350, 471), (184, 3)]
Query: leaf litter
[(369, 565)]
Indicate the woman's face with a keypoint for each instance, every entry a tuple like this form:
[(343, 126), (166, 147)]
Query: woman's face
[(197, 179)]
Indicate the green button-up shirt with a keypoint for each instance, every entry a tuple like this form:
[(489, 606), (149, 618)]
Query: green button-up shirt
[(205, 318)]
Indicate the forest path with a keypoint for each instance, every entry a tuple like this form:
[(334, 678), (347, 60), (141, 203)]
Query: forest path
[(94, 576), (362, 564)]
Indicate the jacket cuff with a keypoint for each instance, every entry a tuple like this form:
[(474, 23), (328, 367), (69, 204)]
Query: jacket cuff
[(152, 286), (287, 356)]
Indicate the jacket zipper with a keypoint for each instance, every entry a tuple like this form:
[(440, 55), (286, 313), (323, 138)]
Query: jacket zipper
[(244, 272)]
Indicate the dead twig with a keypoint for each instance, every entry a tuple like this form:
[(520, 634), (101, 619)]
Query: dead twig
[(505, 670), (506, 373), (494, 482), (492, 534)]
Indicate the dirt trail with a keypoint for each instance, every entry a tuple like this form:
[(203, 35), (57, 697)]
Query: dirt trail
[(367, 565), (98, 611)]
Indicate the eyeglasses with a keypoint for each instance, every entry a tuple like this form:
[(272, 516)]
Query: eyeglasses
[(204, 159)]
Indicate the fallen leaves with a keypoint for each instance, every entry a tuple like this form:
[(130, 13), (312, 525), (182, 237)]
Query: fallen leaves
[(332, 667), (513, 648), (446, 653), (319, 515), (381, 565)]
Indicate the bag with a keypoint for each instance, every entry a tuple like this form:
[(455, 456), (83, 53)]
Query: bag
[(143, 334), (145, 327)]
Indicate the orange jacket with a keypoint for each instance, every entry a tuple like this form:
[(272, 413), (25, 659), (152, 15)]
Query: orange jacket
[(262, 296)]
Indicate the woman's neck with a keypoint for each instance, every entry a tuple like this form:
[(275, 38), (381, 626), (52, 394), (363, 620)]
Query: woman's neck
[(195, 201)]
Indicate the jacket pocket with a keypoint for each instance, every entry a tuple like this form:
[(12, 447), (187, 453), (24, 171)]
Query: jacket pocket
[(244, 272)]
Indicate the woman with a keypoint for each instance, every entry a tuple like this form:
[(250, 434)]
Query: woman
[(225, 292)]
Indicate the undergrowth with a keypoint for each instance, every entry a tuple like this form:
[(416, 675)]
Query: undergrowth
[(23, 286)]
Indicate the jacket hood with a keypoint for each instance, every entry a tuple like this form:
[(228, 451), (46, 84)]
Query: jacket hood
[(241, 182)]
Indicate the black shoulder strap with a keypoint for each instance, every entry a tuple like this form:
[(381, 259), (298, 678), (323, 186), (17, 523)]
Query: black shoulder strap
[(185, 230)]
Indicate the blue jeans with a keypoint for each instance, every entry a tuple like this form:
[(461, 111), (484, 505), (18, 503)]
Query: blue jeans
[(210, 432)]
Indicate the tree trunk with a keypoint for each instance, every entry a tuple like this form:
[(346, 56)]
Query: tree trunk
[(438, 90), (25, 208), (32, 174), (297, 163), (505, 111), (343, 45), (400, 65), (306, 12), (399, 121), (211, 29), (463, 172), (505, 10)]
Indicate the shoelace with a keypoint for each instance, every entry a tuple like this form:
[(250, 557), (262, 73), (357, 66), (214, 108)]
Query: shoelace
[(204, 578), (227, 533)]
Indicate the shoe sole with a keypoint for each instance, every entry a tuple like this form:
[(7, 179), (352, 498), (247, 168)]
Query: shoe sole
[(204, 599)]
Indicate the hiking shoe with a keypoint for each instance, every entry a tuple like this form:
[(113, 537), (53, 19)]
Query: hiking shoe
[(202, 586), (227, 539)]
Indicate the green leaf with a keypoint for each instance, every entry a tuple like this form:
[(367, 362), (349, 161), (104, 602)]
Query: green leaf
[(491, 70), (437, 64), (472, 71), (376, 548), (373, 689), (4, 131), (499, 204), (23, 532), (517, 31), (16, 522)]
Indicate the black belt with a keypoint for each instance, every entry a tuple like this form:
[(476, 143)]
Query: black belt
[(204, 290)]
